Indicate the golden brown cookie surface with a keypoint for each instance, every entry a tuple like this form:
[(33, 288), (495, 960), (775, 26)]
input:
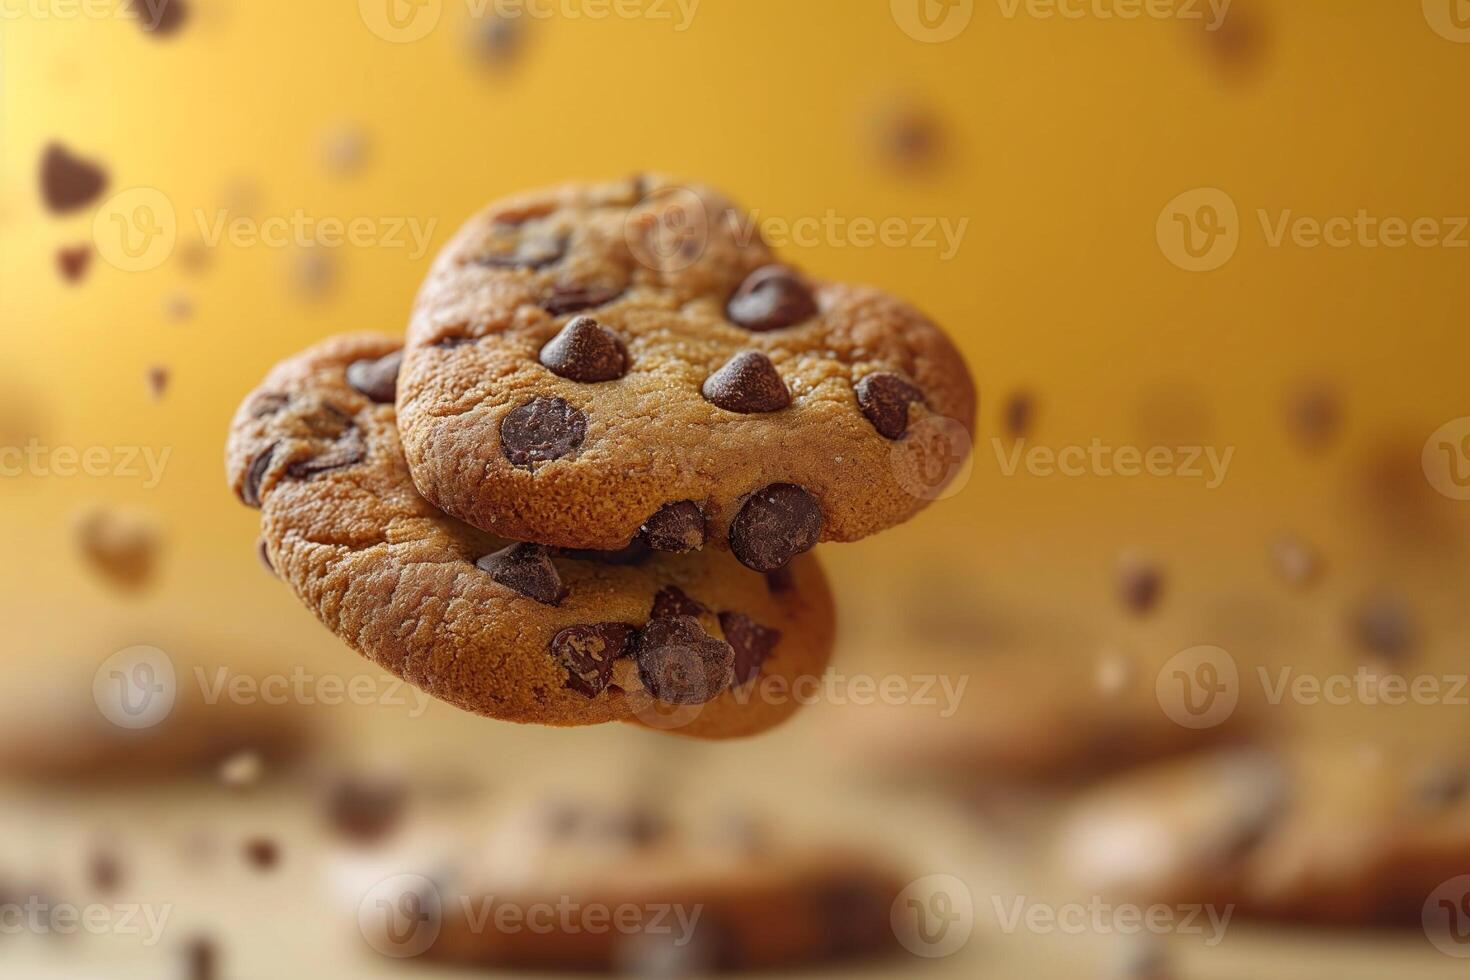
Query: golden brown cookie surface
[(513, 631), (595, 363)]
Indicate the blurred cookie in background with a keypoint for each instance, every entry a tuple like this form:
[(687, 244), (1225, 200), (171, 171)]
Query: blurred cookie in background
[(1326, 831), (574, 884)]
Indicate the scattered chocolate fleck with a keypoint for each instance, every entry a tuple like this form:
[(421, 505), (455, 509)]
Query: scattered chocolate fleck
[(677, 528), (1313, 417), (672, 601), (637, 826), (262, 853), (201, 959), (884, 400), (1384, 627), (562, 300), (1140, 584), (679, 663), (776, 524), (68, 182), (910, 137), (771, 297), (1444, 786), (345, 150), (104, 871), (543, 429), (589, 652), (498, 41), (159, 18), (157, 377), (1018, 415), (74, 262), (748, 383), (366, 809), (586, 351), (752, 643), (376, 378), (525, 568)]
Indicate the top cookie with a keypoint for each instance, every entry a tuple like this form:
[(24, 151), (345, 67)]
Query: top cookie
[(591, 364)]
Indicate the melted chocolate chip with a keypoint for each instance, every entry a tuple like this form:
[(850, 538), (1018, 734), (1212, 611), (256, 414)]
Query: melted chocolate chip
[(771, 297), (679, 663), (574, 299), (780, 582), (349, 449), (73, 262), (586, 351), (775, 525), (636, 552), (542, 429), (533, 251), (589, 652), (752, 643), (525, 568), (748, 383), (672, 601), (376, 378), (677, 528), (68, 182), (884, 400), (255, 475), (269, 404)]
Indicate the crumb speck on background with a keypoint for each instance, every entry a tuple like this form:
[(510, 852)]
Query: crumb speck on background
[(263, 853), (159, 18), (313, 273), (157, 377), (1140, 583), (123, 547), (242, 770), (1295, 561), (1018, 415), (1384, 628), (73, 262), (365, 809), (1313, 416), (178, 306), (498, 42), (346, 149), (909, 136)]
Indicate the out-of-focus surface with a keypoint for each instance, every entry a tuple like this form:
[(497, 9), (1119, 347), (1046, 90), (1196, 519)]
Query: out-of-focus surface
[(1223, 270)]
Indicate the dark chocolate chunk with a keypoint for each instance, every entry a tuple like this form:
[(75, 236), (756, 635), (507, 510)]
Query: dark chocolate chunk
[(348, 449), (771, 297), (73, 262), (589, 652), (679, 663), (533, 251), (68, 182), (672, 601), (884, 400), (752, 643), (775, 525), (255, 475), (574, 299), (542, 429), (525, 568), (586, 351), (376, 378), (677, 528), (748, 383)]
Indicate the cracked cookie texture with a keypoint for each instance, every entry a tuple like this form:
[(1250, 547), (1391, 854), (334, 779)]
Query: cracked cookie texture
[(583, 359), (694, 644)]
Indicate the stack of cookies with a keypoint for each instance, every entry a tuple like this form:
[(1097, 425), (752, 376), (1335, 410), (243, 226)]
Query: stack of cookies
[(585, 488)]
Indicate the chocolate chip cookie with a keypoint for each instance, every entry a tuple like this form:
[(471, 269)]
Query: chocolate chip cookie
[(582, 886), (1328, 833), (512, 630), (592, 365)]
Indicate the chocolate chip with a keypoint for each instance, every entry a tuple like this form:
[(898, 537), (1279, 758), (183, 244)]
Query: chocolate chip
[(348, 449), (884, 400), (157, 377), (636, 552), (376, 378), (672, 601), (573, 299), (589, 652), (1017, 416), (104, 871), (747, 383), (586, 351), (263, 853), (68, 182), (159, 18), (365, 809), (270, 403), (1313, 417), (255, 475), (73, 262), (525, 568), (201, 959), (677, 528), (752, 643), (533, 251), (1384, 627), (263, 553), (450, 343), (679, 663), (1140, 583), (775, 525), (771, 297), (542, 429)]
